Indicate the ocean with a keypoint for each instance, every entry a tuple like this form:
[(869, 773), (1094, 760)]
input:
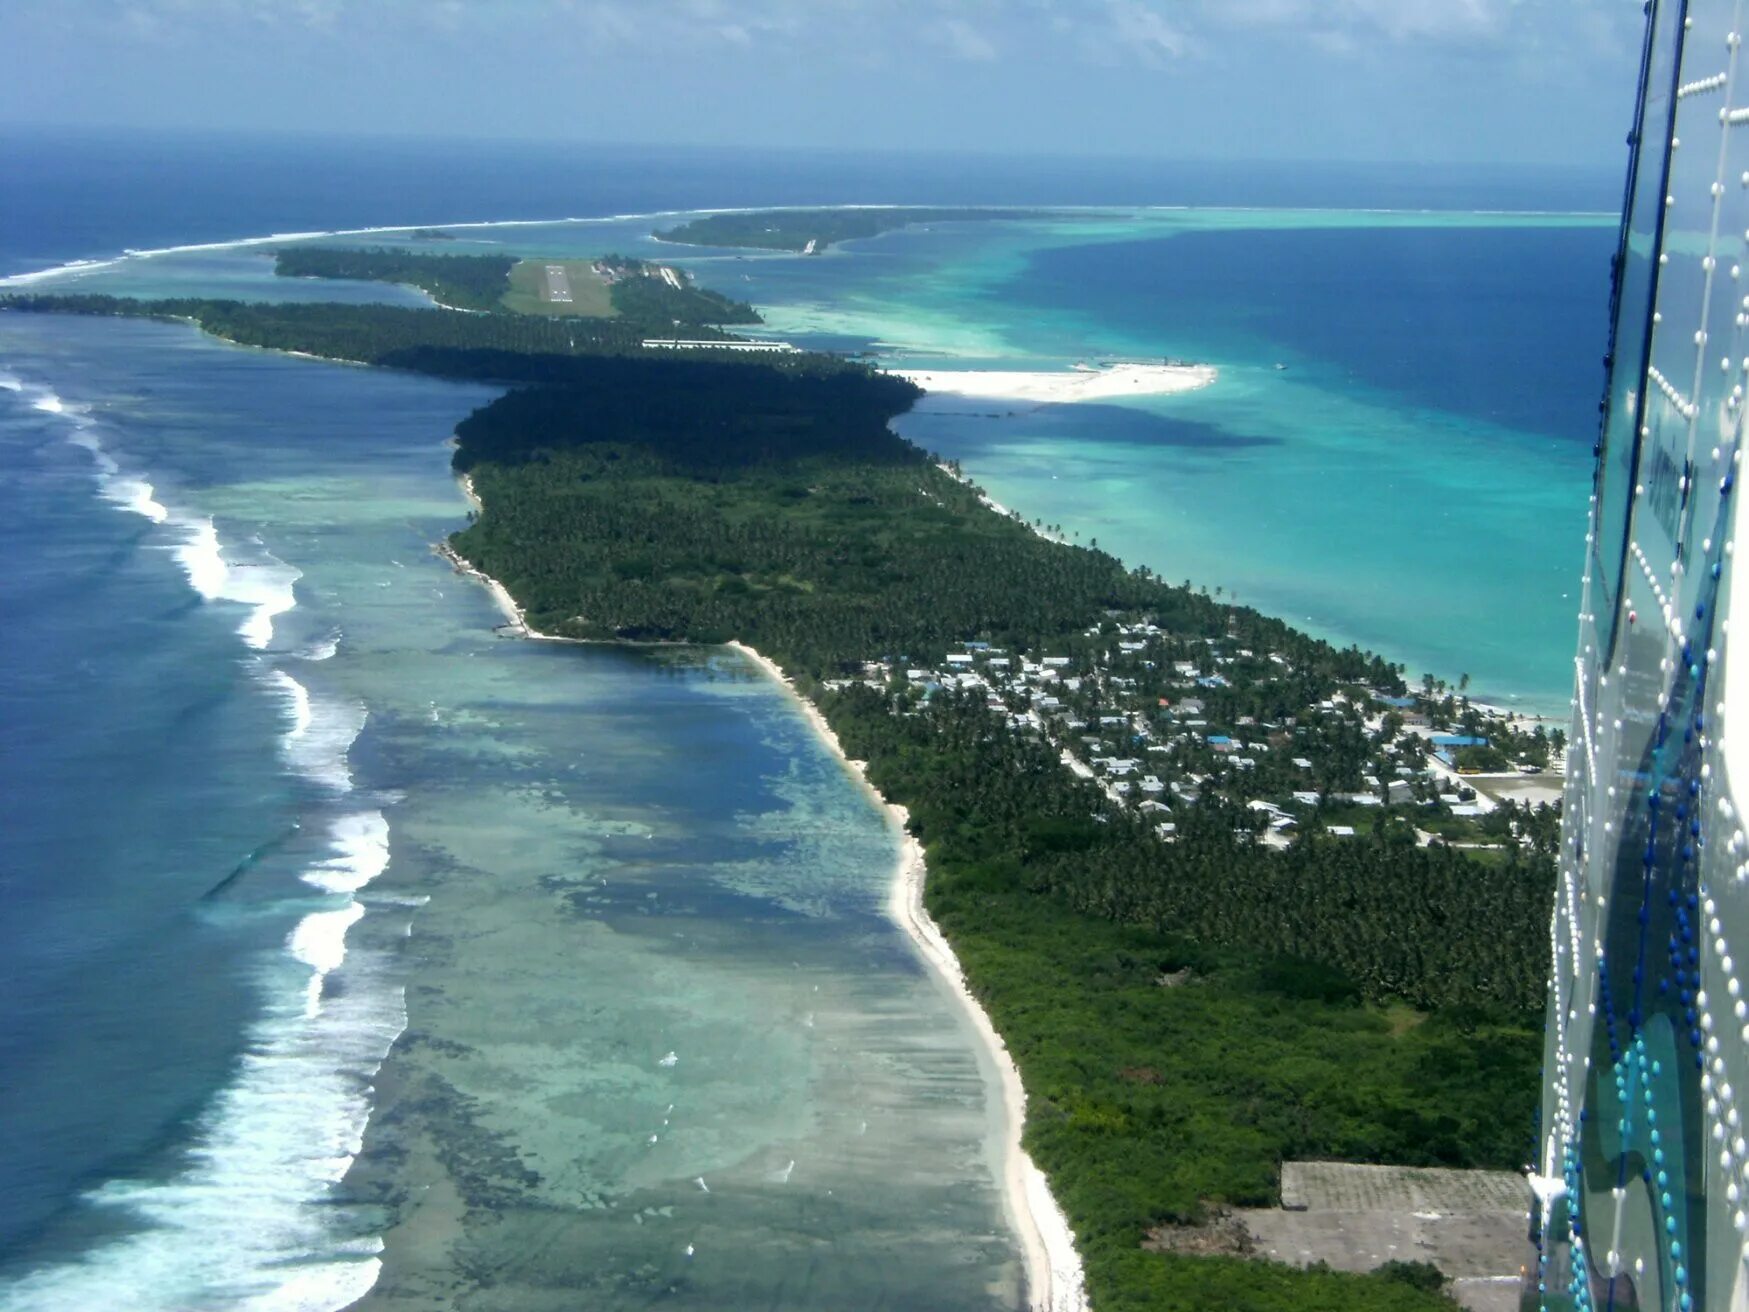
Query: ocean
[(277, 796)]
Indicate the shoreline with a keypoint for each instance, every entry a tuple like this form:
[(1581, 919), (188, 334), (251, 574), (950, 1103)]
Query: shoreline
[(1063, 386), (1054, 1280), (514, 616), (990, 503)]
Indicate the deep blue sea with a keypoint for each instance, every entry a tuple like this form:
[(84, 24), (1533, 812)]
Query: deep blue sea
[(274, 793), (72, 195)]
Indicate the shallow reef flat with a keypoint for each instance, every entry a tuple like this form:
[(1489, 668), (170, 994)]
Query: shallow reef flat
[(662, 1040)]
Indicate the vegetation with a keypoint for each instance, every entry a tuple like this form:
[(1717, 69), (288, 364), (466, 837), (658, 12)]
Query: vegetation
[(590, 295), (1481, 759), (467, 282), (1167, 1072), (789, 515), (1151, 1282), (1417, 1275), (1185, 1015), (1380, 917), (782, 512), (507, 347), (650, 295), (793, 230), (649, 292)]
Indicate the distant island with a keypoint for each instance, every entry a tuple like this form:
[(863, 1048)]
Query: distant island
[(808, 232), (658, 295), (1232, 896)]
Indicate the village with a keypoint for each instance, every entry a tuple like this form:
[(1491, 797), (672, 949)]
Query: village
[(1160, 721)]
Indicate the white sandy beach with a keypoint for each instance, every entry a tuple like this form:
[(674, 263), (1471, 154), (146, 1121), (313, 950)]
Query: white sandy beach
[(1054, 1279), (1059, 386), (1053, 1268), (513, 614)]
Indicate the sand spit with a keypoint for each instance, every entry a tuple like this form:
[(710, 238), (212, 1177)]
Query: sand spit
[(1053, 387)]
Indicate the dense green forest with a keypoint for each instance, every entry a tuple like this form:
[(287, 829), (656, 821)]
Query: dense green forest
[(511, 347), (1185, 1015), (792, 230), (651, 300), (467, 282)]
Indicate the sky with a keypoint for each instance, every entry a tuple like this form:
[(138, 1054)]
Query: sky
[(1433, 81)]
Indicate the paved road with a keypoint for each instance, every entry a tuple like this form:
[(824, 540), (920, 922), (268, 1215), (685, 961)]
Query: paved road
[(558, 288)]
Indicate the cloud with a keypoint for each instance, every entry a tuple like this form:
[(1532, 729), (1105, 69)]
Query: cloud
[(1353, 24), (1144, 33), (850, 37), (962, 40)]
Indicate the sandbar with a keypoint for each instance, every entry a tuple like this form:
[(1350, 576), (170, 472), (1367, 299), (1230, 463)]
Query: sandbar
[(1062, 386)]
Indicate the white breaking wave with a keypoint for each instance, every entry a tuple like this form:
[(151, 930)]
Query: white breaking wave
[(70, 269), (361, 853), (321, 734), (248, 1222), (135, 494), (265, 586), (128, 491), (319, 942), (125, 490), (76, 268), (361, 843), (323, 648)]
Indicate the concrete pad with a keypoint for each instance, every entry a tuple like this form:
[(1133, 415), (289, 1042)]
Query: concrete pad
[(1347, 1186), (1472, 1225)]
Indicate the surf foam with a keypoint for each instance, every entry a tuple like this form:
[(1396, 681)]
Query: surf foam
[(266, 586), (129, 491), (249, 1220), (361, 853), (78, 268), (321, 733)]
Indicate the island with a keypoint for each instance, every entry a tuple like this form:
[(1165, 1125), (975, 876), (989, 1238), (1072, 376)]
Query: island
[(658, 296), (811, 231), (1235, 899)]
